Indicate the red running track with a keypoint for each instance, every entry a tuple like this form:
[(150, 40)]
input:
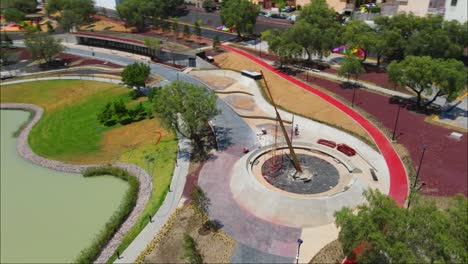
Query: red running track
[(398, 178)]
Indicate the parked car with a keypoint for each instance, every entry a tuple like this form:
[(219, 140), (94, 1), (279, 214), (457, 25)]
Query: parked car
[(265, 14), (288, 9), (280, 16)]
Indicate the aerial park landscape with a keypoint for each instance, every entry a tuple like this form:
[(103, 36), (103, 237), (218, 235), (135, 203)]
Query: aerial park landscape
[(183, 141)]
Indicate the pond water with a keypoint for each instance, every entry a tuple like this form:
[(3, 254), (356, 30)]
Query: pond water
[(48, 216)]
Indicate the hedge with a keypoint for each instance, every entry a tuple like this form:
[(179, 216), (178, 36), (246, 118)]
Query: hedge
[(89, 254)]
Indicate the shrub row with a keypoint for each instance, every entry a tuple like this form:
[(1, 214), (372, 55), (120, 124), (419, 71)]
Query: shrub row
[(117, 112), (89, 254)]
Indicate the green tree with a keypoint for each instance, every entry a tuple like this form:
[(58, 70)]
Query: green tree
[(319, 33), (420, 74), (208, 5), (386, 233), (25, 6), (135, 74), (351, 66), (216, 42), (193, 105), (187, 32), (281, 46), (106, 115), (305, 35), (165, 27), (14, 15), (73, 12), (191, 253), (239, 13), (175, 27), (200, 202), (133, 13), (359, 35), (41, 45), (153, 44), (197, 29)]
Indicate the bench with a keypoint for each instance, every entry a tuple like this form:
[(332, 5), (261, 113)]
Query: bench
[(347, 150), (327, 143), (252, 74)]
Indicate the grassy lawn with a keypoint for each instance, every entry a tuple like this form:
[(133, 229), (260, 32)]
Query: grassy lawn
[(163, 166), (69, 131)]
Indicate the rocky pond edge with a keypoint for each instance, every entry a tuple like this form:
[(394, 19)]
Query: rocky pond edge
[(144, 179)]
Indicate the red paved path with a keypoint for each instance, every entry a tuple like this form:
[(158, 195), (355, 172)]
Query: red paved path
[(398, 179)]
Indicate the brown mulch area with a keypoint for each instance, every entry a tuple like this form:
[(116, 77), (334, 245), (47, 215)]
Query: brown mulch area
[(214, 247), (331, 253), (83, 61)]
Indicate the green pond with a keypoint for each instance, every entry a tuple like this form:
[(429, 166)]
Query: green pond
[(48, 216)]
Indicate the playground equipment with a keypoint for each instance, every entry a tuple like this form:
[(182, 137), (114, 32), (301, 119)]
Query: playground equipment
[(343, 49)]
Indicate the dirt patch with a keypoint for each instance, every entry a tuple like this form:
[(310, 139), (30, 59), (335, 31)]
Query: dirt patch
[(241, 102), (217, 82), (214, 247), (331, 253), (292, 97), (119, 140)]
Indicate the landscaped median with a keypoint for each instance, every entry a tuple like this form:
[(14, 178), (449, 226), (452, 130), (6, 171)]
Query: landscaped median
[(69, 133), (398, 177)]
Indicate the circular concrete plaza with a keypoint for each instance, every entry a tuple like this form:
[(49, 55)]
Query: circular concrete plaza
[(317, 176)]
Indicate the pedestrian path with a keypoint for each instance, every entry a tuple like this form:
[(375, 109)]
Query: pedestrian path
[(167, 208), (398, 177)]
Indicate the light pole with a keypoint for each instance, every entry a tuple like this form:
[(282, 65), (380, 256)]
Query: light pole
[(299, 242), (396, 122), (354, 95), (413, 188)]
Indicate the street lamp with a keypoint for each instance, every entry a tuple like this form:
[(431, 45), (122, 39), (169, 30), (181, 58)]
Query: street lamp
[(396, 122), (299, 242), (416, 180), (425, 146), (354, 95)]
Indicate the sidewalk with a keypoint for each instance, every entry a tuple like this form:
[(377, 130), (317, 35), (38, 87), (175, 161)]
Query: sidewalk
[(169, 205)]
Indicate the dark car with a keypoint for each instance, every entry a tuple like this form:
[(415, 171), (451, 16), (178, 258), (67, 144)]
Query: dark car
[(280, 16)]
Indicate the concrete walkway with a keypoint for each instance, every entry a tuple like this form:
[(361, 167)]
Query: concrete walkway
[(68, 77), (167, 208), (398, 178)]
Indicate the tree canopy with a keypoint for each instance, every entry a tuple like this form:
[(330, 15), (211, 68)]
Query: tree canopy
[(351, 67), (317, 32), (424, 74), (239, 13), (135, 74), (134, 12), (73, 12), (281, 46), (13, 14), (25, 6), (41, 45), (186, 108), (386, 233), (422, 36)]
